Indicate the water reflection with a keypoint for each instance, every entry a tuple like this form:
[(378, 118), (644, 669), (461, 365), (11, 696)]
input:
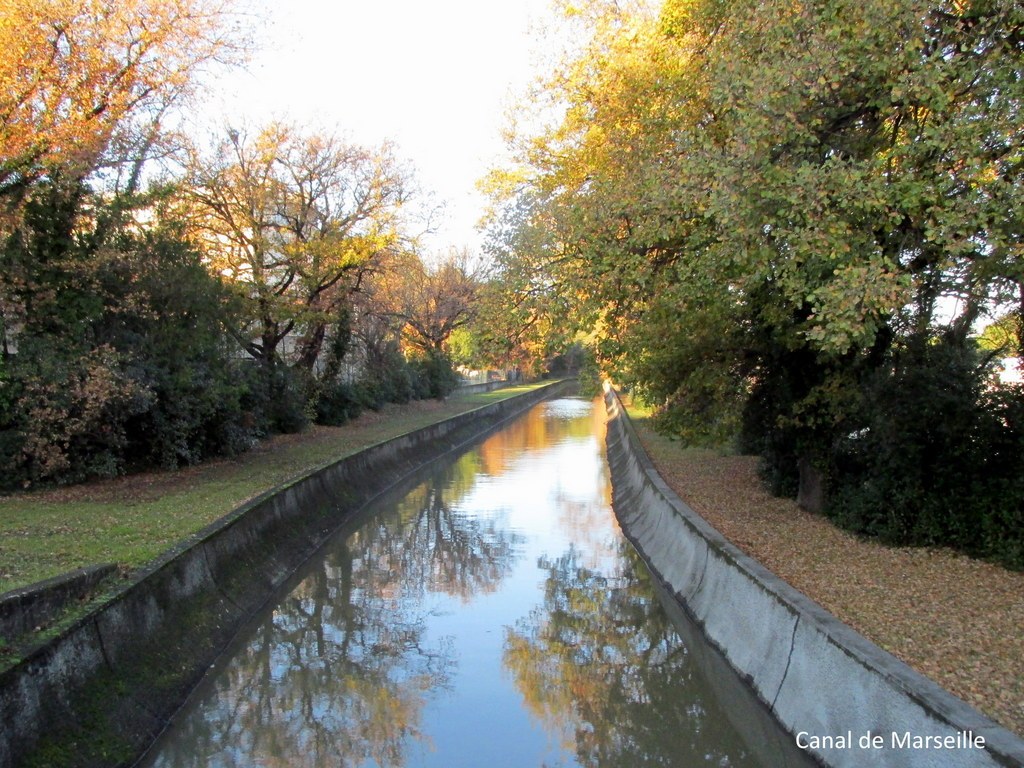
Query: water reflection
[(337, 672), (601, 665), (491, 615), (427, 545)]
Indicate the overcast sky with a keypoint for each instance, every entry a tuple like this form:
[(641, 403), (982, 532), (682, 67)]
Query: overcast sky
[(434, 77)]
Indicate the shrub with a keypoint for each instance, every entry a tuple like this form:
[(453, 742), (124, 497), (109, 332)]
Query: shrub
[(122, 357), (939, 460), (338, 402), (387, 378), (167, 315), (72, 414), (434, 376), (274, 399)]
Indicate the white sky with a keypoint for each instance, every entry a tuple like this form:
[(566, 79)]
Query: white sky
[(435, 77)]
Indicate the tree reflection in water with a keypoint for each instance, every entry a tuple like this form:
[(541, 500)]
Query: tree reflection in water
[(419, 638), (432, 546), (601, 666), (338, 674)]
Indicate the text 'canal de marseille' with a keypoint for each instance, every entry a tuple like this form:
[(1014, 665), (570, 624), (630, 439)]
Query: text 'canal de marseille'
[(895, 740)]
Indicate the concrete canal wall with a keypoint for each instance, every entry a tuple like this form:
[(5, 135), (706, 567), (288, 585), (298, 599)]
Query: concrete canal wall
[(23, 610), (101, 691), (819, 677), (484, 386)]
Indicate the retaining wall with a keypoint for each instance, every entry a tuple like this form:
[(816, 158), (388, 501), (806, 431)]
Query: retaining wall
[(819, 677), (100, 692), (24, 610), (484, 386)]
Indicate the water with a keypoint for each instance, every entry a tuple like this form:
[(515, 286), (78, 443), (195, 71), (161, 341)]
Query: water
[(490, 615)]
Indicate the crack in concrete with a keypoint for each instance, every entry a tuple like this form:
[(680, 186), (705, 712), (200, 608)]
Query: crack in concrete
[(213, 578), (789, 660), (703, 571), (103, 646)]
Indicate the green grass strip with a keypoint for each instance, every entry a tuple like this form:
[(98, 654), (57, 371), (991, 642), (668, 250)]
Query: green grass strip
[(131, 520)]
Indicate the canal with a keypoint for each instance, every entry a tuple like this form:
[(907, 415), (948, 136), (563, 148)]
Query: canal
[(488, 613)]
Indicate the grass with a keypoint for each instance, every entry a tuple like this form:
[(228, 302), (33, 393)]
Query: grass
[(641, 414), (131, 520)]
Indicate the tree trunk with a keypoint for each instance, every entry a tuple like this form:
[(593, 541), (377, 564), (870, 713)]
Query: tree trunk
[(811, 492), (310, 346)]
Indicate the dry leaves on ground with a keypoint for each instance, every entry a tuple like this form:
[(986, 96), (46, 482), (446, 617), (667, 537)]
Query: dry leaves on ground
[(952, 618)]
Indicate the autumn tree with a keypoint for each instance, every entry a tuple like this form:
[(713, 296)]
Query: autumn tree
[(404, 314), (76, 74), (432, 301), (294, 220), (532, 299), (766, 212), (104, 363), (79, 82)]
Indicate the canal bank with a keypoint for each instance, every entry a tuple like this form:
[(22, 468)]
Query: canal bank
[(99, 692), (847, 700)]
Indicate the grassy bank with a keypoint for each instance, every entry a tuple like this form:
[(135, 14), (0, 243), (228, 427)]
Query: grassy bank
[(952, 618), (131, 520)]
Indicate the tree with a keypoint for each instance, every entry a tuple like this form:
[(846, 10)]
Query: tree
[(529, 303), (1003, 335), (76, 73), (77, 80), (84, 88), (804, 160), (432, 301), (294, 221), (760, 210), (404, 316)]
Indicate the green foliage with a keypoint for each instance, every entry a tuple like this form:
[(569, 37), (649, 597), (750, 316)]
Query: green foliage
[(386, 378), (673, 358), (166, 314), (338, 402), (122, 358), (44, 268), (1002, 336), (435, 376), (392, 379), (333, 400), (754, 208), (939, 460), (274, 398), (463, 347), (589, 375)]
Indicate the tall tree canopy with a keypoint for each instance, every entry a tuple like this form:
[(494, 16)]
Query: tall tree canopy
[(762, 209), (75, 73), (293, 219), (431, 301)]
